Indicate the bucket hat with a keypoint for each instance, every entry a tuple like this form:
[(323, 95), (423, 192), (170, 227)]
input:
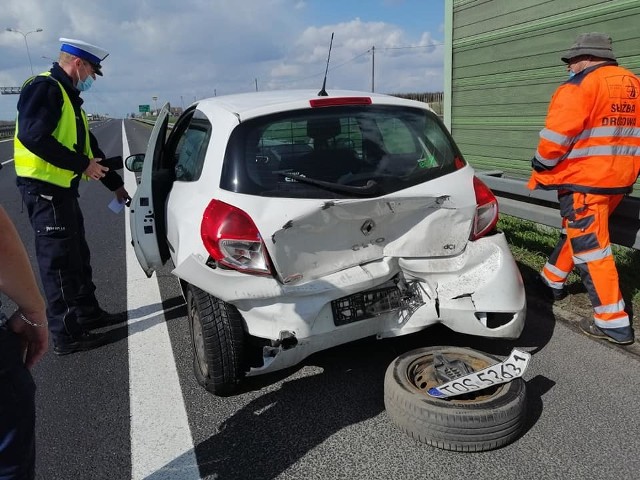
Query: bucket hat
[(594, 43)]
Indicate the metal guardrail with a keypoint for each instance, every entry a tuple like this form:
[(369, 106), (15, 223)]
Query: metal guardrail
[(541, 206), (10, 90), (7, 131)]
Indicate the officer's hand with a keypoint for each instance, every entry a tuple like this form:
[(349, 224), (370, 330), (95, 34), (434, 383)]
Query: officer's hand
[(122, 195), (35, 340), (95, 170)]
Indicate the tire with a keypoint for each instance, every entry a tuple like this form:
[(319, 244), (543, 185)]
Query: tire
[(484, 420), (218, 342)]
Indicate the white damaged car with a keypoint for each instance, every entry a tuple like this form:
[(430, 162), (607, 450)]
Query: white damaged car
[(297, 222)]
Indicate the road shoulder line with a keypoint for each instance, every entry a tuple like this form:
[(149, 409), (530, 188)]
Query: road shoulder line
[(161, 442)]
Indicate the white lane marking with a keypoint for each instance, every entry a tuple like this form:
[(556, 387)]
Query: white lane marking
[(161, 442)]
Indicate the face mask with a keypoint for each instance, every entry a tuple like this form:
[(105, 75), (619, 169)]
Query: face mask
[(84, 85), (573, 74)]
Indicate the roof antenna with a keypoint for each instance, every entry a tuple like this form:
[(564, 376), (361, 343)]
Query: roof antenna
[(323, 92)]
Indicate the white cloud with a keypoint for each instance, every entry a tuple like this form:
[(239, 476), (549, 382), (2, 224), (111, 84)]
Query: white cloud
[(193, 48)]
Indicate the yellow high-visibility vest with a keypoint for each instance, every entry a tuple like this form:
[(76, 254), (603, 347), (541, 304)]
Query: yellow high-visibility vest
[(28, 164)]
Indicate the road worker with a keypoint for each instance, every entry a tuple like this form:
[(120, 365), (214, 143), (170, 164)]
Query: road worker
[(589, 151)]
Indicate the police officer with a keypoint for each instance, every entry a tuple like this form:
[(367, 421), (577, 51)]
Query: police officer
[(589, 152), (53, 150)]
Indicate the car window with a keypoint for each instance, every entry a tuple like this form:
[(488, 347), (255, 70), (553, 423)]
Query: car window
[(189, 147), (306, 153)]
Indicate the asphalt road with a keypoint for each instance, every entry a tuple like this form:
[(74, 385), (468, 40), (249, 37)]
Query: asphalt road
[(323, 419)]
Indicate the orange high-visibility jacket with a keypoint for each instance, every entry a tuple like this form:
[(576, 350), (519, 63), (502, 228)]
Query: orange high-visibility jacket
[(591, 139)]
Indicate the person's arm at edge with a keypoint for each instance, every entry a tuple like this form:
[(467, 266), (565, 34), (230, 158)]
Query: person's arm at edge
[(18, 282)]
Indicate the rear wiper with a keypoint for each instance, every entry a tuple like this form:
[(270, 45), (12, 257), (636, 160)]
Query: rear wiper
[(370, 188)]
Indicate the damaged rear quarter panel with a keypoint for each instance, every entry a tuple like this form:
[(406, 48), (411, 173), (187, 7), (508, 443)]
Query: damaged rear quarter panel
[(340, 234)]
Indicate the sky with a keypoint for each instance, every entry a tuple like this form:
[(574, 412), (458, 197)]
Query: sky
[(180, 51)]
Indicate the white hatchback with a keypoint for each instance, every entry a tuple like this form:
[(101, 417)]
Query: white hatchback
[(297, 222)]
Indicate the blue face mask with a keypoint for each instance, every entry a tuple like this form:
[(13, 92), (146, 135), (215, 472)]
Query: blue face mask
[(84, 85), (571, 74)]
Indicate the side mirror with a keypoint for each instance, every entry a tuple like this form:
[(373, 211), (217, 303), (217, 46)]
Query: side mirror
[(135, 162)]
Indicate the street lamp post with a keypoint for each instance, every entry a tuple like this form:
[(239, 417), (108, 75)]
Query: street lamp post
[(26, 44)]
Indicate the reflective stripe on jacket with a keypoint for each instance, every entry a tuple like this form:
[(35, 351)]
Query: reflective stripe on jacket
[(591, 139), (28, 164)]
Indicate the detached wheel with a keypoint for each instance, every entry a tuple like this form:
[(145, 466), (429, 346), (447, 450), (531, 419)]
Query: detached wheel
[(474, 422), (218, 342)]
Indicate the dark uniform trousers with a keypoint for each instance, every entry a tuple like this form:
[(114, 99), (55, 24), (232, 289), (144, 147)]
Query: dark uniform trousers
[(64, 261), (17, 411)]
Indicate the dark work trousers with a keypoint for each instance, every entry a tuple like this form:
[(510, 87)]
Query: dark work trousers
[(64, 262), (17, 411)]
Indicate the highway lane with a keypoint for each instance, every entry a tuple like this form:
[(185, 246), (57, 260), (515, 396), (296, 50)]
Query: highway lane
[(324, 418), (82, 401)]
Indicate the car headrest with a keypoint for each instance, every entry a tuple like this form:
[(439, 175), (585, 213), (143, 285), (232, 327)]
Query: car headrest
[(323, 128)]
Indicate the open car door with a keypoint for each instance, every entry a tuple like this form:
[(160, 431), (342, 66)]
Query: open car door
[(144, 219)]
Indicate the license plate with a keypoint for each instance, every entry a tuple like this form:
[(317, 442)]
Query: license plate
[(360, 306), (513, 367)]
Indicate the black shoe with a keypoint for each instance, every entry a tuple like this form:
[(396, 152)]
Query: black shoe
[(619, 336), (553, 294), (102, 319), (85, 341)]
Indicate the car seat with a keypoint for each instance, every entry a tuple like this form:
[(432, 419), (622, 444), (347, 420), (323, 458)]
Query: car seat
[(329, 159)]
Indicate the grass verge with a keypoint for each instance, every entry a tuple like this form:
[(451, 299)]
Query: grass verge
[(531, 243)]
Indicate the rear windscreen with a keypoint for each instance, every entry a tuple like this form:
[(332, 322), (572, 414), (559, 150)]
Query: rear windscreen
[(338, 152)]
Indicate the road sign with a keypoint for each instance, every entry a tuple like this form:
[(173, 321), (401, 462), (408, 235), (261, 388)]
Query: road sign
[(144, 108)]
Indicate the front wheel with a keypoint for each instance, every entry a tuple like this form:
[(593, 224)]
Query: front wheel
[(478, 421), (218, 341)]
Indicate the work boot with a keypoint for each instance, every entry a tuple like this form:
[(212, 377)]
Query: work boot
[(619, 336), (102, 319), (553, 294), (84, 341)]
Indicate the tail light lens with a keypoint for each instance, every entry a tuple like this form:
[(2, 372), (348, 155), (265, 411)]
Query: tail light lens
[(336, 101), (232, 239), (486, 210)]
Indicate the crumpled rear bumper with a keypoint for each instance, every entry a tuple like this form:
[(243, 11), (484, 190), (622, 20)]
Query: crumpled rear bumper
[(479, 292)]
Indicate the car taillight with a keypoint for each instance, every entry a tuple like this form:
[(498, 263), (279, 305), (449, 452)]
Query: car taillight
[(486, 210), (232, 239)]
